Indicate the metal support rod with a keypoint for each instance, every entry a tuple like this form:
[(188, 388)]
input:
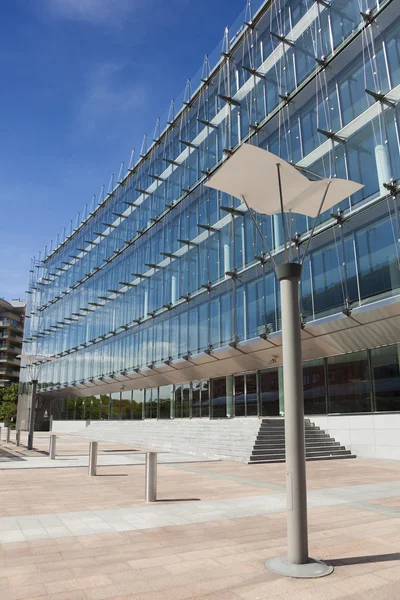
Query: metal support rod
[(297, 563), (285, 239), (52, 447), (315, 222), (258, 228), (32, 415), (93, 448), (151, 476)]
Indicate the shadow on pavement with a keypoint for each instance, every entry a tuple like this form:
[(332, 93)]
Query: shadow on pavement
[(358, 560), (179, 500), (6, 456)]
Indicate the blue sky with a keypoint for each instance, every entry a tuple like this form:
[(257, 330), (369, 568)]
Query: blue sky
[(82, 81)]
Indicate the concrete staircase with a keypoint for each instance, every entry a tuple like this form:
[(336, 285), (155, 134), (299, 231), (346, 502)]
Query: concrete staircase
[(230, 439), (270, 443), (247, 440)]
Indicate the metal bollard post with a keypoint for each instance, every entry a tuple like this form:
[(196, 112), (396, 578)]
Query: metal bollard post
[(18, 437), (93, 447), (7, 435), (0, 433), (52, 448), (151, 476)]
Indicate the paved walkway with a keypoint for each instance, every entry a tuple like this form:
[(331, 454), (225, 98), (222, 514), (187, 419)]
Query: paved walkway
[(67, 536)]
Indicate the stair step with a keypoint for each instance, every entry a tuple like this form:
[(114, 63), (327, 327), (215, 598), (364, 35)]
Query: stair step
[(282, 460), (274, 449), (281, 444), (308, 454)]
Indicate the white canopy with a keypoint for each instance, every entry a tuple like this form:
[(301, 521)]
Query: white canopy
[(252, 172)]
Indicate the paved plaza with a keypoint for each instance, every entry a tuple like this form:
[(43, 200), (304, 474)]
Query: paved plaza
[(67, 536)]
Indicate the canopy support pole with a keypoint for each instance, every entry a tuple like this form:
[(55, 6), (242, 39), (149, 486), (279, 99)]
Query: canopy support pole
[(297, 563)]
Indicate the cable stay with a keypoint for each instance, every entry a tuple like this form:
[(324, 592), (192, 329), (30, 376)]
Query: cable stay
[(131, 161), (143, 149), (157, 130), (340, 219), (121, 175)]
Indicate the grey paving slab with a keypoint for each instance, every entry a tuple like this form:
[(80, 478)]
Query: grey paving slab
[(78, 523), (104, 460)]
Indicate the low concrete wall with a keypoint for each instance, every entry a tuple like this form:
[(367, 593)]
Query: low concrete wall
[(368, 436), (68, 426)]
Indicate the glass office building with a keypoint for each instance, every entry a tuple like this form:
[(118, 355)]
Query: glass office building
[(161, 303)]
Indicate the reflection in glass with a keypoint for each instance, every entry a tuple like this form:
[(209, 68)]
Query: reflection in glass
[(349, 383), (386, 377), (269, 392), (314, 387), (165, 400)]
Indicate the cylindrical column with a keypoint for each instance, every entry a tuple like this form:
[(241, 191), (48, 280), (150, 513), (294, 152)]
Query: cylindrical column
[(0, 433), (151, 476), (18, 437), (32, 415), (93, 448), (296, 491), (52, 448), (7, 434)]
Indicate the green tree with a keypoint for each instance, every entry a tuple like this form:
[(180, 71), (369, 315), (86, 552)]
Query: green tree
[(8, 404)]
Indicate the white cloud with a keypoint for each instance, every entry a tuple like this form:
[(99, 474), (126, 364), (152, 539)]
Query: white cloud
[(93, 11), (109, 99)]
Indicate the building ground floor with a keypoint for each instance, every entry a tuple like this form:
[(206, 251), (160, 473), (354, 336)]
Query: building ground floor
[(367, 381)]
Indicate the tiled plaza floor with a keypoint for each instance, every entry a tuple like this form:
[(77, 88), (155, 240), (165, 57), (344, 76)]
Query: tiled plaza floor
[(65, 536)]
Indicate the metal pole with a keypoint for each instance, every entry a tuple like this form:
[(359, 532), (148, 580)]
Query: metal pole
[(7, 435), (52, 448), (93, 448), (18, 437), (297, 563), (32, 415), (151, 476), (0, 433)]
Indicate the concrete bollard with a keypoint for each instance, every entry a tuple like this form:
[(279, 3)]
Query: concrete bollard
[(93, 448), (151, 476), (52, 448), (18, 437), (7, 435)]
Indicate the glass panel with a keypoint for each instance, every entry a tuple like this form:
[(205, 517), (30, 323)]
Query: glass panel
[(314, 387), (104, 406), (218, 398), (251, 395), (349, 383), (186, 400), (240, 404), (205, 399), (115, 408), (178, 402), (79, 409), (138, 404), (386, 377), (126, 405), (269, 392), (165, 401), (378, 271), (196, 391)]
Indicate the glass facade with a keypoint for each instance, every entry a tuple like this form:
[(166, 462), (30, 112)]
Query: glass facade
[(163, 269)]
